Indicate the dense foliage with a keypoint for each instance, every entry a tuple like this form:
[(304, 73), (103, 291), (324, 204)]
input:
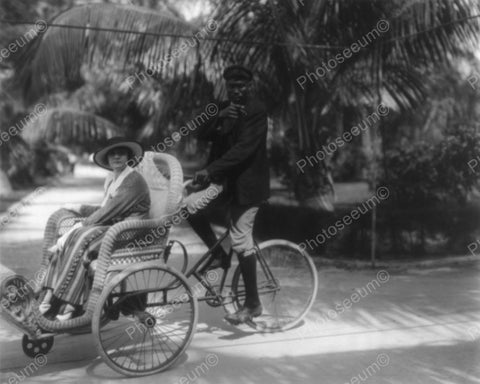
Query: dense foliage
[(427, 174)]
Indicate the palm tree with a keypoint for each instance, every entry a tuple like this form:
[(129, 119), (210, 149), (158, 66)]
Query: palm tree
[(61, 68), (398, 41), (101, 37), (281, 40), (12, 148)]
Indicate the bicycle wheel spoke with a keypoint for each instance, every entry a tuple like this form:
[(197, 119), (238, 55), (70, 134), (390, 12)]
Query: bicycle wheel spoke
[(153, 348), (161, 347), (148, 336), (166, 336), (287, 285), (164, 344)]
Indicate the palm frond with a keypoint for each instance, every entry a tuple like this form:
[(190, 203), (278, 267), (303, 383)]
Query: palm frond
[(56, 59), (69, 127), (434, 29), (420, 33)]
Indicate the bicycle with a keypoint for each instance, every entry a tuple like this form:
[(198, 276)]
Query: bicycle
[(287, 284), (282, 267)]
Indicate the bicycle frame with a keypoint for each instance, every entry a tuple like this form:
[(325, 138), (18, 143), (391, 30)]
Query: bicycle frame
[(197, 270)]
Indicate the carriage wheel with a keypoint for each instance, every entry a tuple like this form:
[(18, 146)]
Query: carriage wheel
[(33, 348), (288, 293), (153, 315)]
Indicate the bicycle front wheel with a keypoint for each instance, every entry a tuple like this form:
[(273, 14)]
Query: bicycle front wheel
[(287, 285)]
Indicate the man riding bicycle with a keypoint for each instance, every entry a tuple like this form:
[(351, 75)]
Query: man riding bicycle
[(237, 162)]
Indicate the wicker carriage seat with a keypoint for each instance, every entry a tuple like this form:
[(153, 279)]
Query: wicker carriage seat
[(132, 241), (165, 196), (164, 177), (126, 242)]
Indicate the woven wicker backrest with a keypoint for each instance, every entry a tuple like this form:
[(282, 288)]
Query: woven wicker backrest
[(164, 177)]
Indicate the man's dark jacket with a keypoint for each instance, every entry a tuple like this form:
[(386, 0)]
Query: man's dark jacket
[(238, 155)]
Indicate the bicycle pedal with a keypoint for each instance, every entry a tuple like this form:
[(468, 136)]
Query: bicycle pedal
[(214, 299)]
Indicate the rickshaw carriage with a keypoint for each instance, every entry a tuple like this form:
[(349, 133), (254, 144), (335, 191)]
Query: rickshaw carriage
[(138, 304), (130, 276)]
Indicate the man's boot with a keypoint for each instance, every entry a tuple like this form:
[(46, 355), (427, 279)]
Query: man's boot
[(252, 306)]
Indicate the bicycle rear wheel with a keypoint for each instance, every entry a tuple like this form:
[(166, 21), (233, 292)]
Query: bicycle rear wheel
[(153, 315), (287, 285)]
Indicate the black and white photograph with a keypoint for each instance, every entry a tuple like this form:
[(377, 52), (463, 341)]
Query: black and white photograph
[(240, 191)]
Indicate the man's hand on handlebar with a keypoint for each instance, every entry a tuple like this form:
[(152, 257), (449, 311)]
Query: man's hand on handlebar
[(201, 178)]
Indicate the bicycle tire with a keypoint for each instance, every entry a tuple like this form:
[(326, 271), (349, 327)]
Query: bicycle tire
[(287, 299)]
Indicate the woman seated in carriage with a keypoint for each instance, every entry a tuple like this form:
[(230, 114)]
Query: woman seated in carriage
[(126, 197)]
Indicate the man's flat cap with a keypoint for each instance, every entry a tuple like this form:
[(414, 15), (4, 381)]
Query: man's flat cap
[(237, 72)]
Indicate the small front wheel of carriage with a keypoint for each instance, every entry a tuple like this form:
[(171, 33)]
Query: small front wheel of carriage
[(153, 315), (34, 348)]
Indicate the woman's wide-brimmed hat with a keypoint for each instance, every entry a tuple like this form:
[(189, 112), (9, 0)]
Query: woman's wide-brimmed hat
[(100, 157)]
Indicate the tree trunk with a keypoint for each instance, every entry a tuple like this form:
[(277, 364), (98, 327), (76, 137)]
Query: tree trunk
[(313, 185)]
